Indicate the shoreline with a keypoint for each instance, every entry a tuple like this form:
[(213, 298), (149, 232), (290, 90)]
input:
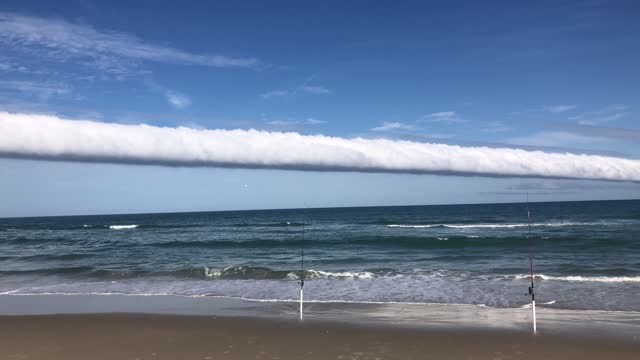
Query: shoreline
[(147, 336), (593, 324)]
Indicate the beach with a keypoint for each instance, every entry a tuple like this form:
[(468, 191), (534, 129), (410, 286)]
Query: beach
[(129, 336), (441, 282), (170, 327)]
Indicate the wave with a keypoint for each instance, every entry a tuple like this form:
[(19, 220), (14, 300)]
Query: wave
[(273, 224), (228, 273), (47, 257), (411, 242), (249, 272), (339, 275), (122, 227), (497, 226), (266, 240), (97, 227), (50, 271), (21, 240), (265, 243), (244, 272), (577, 278)]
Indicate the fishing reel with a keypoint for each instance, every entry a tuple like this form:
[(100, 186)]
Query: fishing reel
[(531, 292)]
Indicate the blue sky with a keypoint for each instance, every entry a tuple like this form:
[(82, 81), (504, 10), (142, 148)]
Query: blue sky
[(553, 76)]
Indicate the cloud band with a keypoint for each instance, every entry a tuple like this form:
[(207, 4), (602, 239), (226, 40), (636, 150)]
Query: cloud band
[(52, 138)]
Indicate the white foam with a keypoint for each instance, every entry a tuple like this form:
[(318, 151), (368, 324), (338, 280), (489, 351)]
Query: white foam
[(341, 275), (122, 227), (209, 272), (606, 279), (9, 292), (495, 226), (528, 306)]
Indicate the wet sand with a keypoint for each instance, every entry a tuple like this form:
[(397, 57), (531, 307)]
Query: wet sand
[(131, 336)]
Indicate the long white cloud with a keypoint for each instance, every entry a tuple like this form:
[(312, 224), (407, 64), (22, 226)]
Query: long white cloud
[(49, 137)]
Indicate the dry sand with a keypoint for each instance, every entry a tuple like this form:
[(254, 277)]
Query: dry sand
[(201, 337)]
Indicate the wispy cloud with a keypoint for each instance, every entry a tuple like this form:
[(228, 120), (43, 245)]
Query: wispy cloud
[(275, 93), (10, 66), (604, 115), (613, 133), (42, 90), (444, 116), (174, 98), (305, 88), (390, 126), (554, 187), (496, 127), (554, 139), (318, 90), (308, 121), (179, 101), (49, 137), (110, 51), (559, 108)]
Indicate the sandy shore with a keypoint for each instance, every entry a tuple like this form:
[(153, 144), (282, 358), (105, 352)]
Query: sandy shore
[(200, 337)]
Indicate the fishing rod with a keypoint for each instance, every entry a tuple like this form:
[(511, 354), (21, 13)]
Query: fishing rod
[(531, 288), (302, 271)]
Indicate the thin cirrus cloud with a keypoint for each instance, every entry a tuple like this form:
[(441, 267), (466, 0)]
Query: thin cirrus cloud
[(53, 138), (41, 90), (174, 98), (284, 123), (559, 108), (390, 126), (275, 93), (307, 89), (318, 90), (555, 139), (177, 100), (112, 52), (604, 115), (444, 116)]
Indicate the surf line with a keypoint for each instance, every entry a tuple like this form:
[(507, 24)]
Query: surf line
[(531, 288)]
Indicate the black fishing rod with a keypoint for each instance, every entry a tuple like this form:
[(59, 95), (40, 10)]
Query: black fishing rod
[(532, 287)]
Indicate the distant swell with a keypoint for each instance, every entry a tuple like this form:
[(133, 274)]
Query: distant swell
[(603, 279), (412, 242), (274, 224), (495, 226)]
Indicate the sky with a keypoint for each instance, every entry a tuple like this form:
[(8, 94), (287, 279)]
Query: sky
[(551, 76)]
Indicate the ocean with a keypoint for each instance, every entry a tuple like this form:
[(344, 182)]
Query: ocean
[(586, 255)]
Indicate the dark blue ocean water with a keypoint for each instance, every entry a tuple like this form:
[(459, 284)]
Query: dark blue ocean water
[(586, 254)]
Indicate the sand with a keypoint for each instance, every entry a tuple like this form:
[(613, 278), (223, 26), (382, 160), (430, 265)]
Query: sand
[(131, 336)]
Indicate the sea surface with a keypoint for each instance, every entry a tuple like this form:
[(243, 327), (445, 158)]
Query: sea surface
[(586, 254)]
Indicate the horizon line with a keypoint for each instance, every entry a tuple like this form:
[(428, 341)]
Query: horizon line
[(310, 208)]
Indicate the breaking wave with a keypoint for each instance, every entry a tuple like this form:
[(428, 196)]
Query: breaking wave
[(497, 226), (603, 279), (122, 227)]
